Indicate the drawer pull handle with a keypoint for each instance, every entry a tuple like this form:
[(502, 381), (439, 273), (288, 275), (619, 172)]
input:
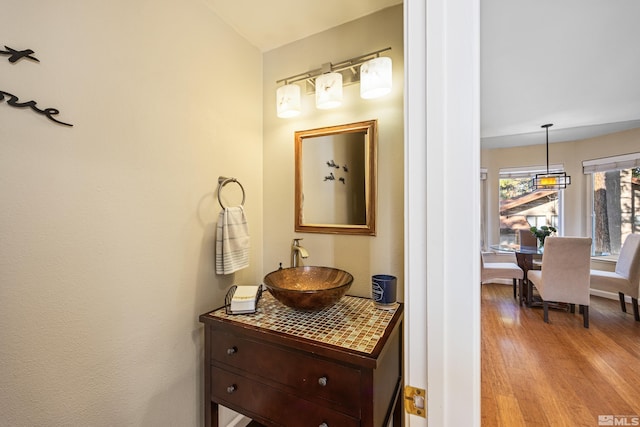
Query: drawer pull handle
[(323, 382), (324, 425), (232, 350), (231, 388)]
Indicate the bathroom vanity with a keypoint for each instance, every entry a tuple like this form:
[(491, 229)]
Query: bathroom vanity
[(341, 366)]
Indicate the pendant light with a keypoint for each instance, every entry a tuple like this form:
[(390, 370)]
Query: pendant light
[(550, 180)]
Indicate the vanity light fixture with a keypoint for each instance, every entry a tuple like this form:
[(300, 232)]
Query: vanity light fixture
[(550, 180), (371, 70)]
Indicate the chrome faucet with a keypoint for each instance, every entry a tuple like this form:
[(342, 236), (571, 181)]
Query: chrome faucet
[(297, 252)]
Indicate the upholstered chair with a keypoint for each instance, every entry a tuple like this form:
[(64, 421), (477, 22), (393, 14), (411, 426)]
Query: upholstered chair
[(529, 241), (502, 265), (626, 278), (565, 274)]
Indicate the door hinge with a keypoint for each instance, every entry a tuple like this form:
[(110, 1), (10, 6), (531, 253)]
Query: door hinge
[(415, 401)]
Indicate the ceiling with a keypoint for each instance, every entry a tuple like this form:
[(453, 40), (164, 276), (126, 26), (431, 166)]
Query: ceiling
[(269, 24), (574, 63)]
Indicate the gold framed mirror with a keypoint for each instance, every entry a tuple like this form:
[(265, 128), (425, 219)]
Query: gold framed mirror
[(335, 182)]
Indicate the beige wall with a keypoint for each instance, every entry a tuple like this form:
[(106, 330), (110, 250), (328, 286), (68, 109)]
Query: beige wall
[(360, 255), (571, 154), (107, 228)]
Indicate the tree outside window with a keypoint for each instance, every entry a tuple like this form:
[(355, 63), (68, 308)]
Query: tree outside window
[(616, 209)]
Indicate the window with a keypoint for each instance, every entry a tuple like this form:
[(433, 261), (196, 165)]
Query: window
[(483, 206), (540, 220), (615, 207), (523, 208)]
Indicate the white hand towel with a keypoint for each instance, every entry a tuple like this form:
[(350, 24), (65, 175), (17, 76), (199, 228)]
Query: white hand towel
[(232, 241)]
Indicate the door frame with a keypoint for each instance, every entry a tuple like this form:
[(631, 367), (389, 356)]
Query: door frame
[(442, 208)]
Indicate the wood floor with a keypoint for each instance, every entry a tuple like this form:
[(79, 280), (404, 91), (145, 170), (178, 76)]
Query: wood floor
[(557, 374)]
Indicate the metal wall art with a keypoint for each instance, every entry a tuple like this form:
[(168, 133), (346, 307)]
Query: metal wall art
[(331, 177), (13, 100), (17, 55)]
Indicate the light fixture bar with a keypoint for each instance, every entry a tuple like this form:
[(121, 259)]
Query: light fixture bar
[(337, 67)]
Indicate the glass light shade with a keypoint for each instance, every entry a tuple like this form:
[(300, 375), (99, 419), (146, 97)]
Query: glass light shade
[(551, 181), (375, 77), (328, 90), (288, 101), (548, 180)]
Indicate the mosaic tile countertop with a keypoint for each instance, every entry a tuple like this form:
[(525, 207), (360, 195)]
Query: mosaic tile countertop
[(353, 323)]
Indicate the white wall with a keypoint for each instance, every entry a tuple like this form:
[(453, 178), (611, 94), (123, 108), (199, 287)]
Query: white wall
[(362, 256), (107, 228)]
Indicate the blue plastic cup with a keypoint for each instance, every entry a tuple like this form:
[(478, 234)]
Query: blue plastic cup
[(383, 289)]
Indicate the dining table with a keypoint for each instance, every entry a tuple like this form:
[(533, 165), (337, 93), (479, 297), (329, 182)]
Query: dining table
[(524, 257)]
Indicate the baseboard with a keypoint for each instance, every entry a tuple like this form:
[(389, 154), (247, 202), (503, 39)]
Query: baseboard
[(499, 281), (609, 295), (594, 292)]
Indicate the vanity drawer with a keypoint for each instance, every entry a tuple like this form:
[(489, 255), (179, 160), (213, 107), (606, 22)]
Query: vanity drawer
[(236, 391), (304, 375)]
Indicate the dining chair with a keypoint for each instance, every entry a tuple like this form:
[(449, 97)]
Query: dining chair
[(564, 277), (626, 278), (529, 241), (501, 265)]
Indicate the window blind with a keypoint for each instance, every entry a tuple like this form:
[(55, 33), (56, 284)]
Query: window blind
[(604, 164), (528, 171)]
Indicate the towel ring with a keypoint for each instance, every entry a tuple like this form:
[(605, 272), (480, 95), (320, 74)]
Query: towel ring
[(222, 181)]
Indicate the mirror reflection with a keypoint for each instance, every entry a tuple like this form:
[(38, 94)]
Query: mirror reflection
[(335, 179)]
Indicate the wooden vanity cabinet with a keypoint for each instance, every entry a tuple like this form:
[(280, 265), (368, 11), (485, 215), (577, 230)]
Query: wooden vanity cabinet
[(295, 374)]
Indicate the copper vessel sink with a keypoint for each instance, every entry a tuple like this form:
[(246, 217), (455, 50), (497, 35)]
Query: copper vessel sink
[(308, 287)]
